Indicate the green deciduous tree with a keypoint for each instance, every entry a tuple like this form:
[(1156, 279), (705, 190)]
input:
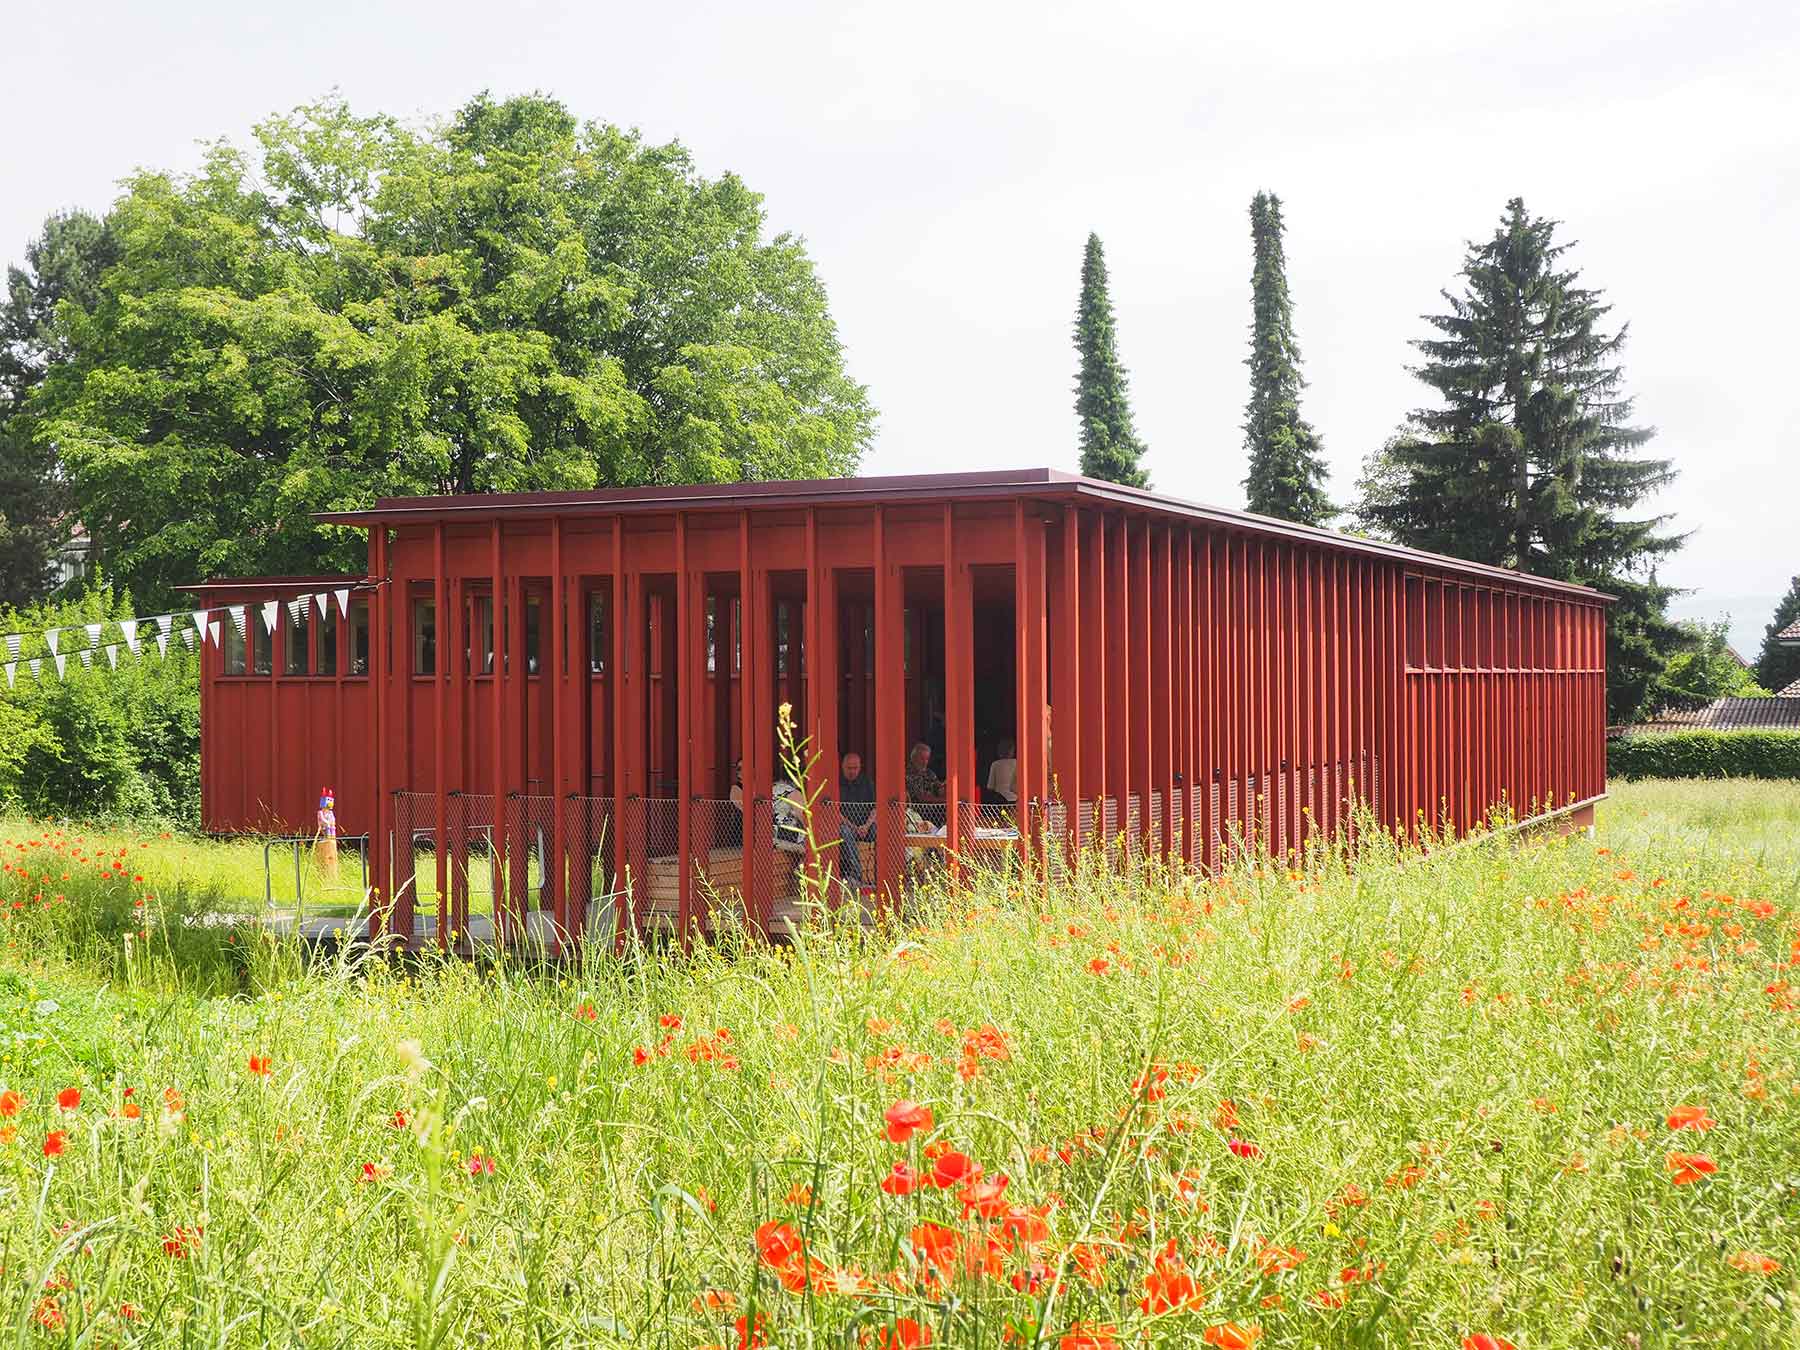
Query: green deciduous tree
[(64, 263), (512, 301), (1778, 665), (1528, 459), (1110, 447), (1287, 474), (1706, 670)]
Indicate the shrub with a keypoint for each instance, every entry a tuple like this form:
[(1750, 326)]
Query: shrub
[(1705, 754)]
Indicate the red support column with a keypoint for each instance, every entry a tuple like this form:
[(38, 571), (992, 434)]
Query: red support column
[(957, 787), (1028, 576), (1161, 684), (822, 672), (1066, 719), (889, 732), (383, 725), (1117, 709), (441, 844), (624, 858), (555, 677), (685, 613), (819, 772), (1142, 695), (1091, 638), (501, 843), (451, 629)]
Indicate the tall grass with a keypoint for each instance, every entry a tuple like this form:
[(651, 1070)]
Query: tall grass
[(1421, 1101)]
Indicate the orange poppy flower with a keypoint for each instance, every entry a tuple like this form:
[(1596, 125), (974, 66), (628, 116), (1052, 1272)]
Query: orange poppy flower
[(936, 1245), (259, 1065), (903, 1180), (1169, 1286), (1090, 1336), (1481, 1340), (1686, 1167), (1753, 1263), (904, 1334), (1231, 1336), (55, 1142), (905, 1118), (69, 1098), (10, 1102), (954, 1169), (1691, 1118), (752, 1335), (1243, 1148)]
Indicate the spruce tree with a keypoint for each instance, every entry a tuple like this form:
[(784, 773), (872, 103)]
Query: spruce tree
[(1529, 458), (1778, 665), (1287, 475), (1110, 447)]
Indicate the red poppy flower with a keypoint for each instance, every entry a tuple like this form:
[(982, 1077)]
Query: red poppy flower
[(953, 1169), (905, 1118), (55, 1142), (1753, 1263), (1090, 1336), (1327, 1299), (778, 1244), (1099, 966), (986, 1198), (69, 1098), (181, 1243), (905, 1334), (259, 1065), (480, 1165), (1482, 1340), (1243, 1148), (1691, 1118), (1231, 1336), (586, 1013), (937, 1246), (1686, 1167), (1169, 1286), (10, 1103), (752, 1335), (669, 1021), (903, 1180), (397, 1121)]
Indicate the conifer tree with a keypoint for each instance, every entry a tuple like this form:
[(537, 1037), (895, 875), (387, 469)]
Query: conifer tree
[(1287, 476), (1110, 447), (1528, 459), (1778, 665)]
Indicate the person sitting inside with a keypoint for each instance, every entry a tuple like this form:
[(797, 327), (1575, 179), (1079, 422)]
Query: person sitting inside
[(731, 828), (856, 811), (923, 787), (1003, 775)]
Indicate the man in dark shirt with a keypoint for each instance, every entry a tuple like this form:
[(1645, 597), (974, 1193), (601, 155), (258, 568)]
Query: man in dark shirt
[(856, 811)]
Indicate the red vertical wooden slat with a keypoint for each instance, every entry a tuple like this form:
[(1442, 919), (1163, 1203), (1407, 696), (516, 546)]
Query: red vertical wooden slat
[(500, 840), (441, 806), (1117, 686), (1035, 773), (957, 787), (382, 728), (685, 662), (1158, 689), (618, 613), (1142, 690), (451, 629), (889, 728), (1066, 732)]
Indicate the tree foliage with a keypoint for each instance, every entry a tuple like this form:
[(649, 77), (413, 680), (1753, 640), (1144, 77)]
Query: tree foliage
[(1528, 458), (1287, 472), (1706, 669), (64, 263), (1778, 665), (1110, 447), (511, 301)]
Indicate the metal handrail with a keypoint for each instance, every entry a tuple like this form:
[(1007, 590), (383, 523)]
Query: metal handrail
[(294, 841)]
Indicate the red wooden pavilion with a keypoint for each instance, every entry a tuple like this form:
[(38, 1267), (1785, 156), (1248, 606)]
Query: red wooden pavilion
[(554, 688)]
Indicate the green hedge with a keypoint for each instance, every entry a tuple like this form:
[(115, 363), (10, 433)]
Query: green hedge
[(1705, 754)]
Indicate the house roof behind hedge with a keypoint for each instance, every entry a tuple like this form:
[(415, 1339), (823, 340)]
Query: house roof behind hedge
[(1781, 713)]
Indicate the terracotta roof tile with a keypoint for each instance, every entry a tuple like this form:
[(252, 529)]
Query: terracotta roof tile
[(1781, 713), (1789, 634)]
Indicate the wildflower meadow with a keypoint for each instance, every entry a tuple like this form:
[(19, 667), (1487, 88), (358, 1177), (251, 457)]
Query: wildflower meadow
[(1520, 1093)]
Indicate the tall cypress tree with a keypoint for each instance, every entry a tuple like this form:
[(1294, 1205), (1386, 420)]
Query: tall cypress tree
[(1287, 476), (1528, 460), (1110, 447), (1778, 665)]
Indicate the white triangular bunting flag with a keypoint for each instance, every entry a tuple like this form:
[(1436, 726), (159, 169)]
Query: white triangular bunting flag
[(187, 636), (12, 645), (51, 637), (199, 618), (62, 663), (87, 658), (36, 667), (271, 611), (212, 630), (112, 654), (296, 609), (129, 628), (239, 620), (323, 601), (166, 622), (343, 599), (93, 631), (162, 644), (11, 672)]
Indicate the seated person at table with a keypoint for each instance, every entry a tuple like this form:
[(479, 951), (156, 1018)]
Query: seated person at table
[(923, 787), (856, 810), (1003, 775)]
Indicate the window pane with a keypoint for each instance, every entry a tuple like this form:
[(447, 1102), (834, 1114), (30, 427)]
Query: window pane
[(234, 647), (484, 629), (296, 644), (327, 662), (532, 624), (359, 637), (262, 644), (599, 644), (424, 637)]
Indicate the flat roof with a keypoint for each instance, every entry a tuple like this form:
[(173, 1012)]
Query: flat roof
[(1038, 484)]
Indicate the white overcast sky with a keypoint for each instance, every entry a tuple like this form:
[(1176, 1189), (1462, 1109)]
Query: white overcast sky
[(945, 163)]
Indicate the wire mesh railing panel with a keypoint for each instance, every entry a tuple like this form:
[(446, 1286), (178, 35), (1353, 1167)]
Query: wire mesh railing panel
[(471, 824), (590, 838), (777, 854), (716, 853), (655, 848), (1153, 827), (1089, 815), (989, 835), (522, 865)]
